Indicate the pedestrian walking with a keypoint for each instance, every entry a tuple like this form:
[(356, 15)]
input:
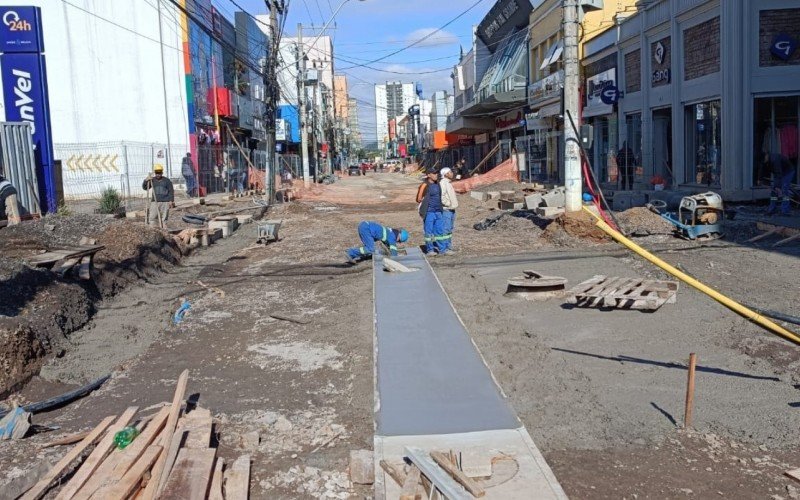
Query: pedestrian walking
[(449, 206), (187, 170), (371, 232), (9, 207), (782, 175), (160, 197), (626, 161), (429, 196), (461, 169)]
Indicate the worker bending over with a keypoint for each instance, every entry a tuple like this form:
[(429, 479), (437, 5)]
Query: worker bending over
[(370, 232)]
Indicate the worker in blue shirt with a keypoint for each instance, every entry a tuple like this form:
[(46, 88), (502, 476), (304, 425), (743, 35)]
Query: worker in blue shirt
[(370, 232)]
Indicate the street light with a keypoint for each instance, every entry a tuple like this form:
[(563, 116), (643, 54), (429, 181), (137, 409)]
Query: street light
[(302, 93)]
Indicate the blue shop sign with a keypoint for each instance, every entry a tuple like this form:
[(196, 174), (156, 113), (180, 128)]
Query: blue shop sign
[(610, 95), (20, 29), (783, 46)]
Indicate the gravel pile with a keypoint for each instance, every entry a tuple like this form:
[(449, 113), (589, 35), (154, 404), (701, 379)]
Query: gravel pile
[(640, 221)]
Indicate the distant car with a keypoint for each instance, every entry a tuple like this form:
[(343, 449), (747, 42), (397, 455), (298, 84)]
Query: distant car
[(354, 170), (366, 165)]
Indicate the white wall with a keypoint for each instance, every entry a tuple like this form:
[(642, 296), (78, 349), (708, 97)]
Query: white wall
[(105, 81)]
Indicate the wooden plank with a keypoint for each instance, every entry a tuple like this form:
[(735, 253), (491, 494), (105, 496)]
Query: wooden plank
[(763, 235), (54, 256), (99, 453), (398, 475), (62, 267), (215, 493), (70, 439), (786, 240), (198, 425), (442, 480), (117, 464), (191, 476), (129, 482), (160, 471), (40, 487), (794, 474), (411, 484), (464, 480), (237, 479), (85, 269)]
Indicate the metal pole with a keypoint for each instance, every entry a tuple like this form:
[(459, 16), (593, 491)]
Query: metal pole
[(164, 84), (572, 161), (301, 99)]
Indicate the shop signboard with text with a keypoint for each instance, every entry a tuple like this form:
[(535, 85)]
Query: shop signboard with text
[(24, 98)]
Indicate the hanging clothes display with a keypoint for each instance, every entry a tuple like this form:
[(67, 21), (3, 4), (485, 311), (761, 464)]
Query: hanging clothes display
[(788, 141)]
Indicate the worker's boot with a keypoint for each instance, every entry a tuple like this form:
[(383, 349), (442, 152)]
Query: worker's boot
[(786, 208), (773, 206)]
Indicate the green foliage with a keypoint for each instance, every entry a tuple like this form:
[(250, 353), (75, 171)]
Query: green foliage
[(109, 202), (63, 210)]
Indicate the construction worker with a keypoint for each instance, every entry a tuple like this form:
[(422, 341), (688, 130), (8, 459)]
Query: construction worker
[(162, 197), (782, 175), (449, 206), (9, 208), (370, 232), (429, 196)]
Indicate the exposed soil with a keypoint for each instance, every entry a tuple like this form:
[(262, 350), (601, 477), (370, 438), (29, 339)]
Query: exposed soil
[(601, 392)]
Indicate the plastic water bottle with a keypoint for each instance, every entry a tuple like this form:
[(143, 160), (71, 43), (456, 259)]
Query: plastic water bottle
[(124, 437)]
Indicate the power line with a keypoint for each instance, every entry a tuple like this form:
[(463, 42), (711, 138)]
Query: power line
[(417, 42)]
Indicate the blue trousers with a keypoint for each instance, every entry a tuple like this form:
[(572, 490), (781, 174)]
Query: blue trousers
[(434, 229), (448, 221), (367, 241), (783, 183)]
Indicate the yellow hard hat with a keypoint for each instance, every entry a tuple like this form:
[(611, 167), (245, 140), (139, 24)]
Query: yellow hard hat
[(158, 167)]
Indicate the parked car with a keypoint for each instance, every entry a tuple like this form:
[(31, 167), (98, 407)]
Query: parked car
[(354, 170)]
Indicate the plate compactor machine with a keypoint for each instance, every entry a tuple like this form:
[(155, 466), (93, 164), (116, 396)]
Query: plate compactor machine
[(698, 216)]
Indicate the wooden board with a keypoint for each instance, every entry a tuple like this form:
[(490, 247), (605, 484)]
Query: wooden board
[(70, 439), (441, 479), (215, 493), (467, 482), (117, 464), (410, 485), (794, 474), (237, 479), (40, 487), (99, 453), (53, 256), (133, 477), (160, 472), (198, 425), (85, 270), (191, 476), (623, 293)]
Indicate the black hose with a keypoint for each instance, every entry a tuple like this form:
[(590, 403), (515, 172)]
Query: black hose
[(58, 401), (194, 219), (775, 315)]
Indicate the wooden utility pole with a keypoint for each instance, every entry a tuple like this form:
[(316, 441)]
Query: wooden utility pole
[(687, 415), (572, 104)]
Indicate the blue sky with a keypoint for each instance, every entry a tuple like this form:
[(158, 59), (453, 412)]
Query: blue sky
[(373, 28)]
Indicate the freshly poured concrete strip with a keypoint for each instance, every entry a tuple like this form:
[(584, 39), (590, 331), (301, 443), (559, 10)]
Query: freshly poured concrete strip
[(434, 391), (431, 379)]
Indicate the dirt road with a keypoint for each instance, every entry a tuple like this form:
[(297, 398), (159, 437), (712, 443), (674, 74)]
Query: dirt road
[(600, 391)]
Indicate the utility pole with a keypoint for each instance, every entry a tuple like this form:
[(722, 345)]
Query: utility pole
[(301, 99), (271, 95), (572, 159)]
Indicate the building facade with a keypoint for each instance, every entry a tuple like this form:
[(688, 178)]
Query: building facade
[(709, 88), (392, 100)]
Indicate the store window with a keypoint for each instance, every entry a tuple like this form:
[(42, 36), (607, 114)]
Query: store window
[(776, 130), (704, 142), (629, 156)]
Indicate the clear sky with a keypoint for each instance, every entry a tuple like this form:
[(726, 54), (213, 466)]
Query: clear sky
[(369, 29)]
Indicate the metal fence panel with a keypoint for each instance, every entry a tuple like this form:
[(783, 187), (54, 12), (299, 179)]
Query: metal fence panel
[(18, 163)]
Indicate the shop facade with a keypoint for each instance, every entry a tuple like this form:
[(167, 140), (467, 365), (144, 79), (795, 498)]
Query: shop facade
[(708, 88)]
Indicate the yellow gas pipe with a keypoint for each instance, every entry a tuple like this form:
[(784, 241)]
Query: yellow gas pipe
[(722, 299)]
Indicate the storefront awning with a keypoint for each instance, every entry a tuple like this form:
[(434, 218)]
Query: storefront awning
[(469, 125)]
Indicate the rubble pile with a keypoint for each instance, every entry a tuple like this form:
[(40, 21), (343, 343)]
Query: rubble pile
[(640, 221), (271, 432), (312, 482)]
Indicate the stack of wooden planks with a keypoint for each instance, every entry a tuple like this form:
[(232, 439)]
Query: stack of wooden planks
[(433, 475), (72, 260), (171, 458)]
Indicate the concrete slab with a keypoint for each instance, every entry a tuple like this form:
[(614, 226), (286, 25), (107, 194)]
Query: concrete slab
[(532, 477), (533, 201), (430, 377), (549, 211), (479, 195)]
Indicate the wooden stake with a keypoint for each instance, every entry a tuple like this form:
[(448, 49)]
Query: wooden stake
[(687, 416)]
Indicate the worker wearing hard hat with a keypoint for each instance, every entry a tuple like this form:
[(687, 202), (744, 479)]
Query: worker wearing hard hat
[(9, 208), (160, 196), (371, 232), (449, 206)]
